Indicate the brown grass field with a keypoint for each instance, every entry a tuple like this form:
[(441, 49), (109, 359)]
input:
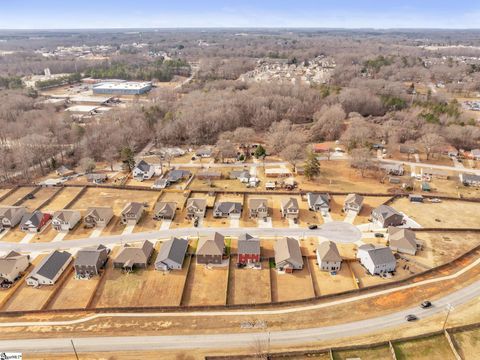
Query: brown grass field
[(435, 347), (62, 199), (17, 195), (325, 283), (205, 286), (41, 196), (4, 191), (295, 286), (468, 343), (74, 293), (373, 353), (241, 290)]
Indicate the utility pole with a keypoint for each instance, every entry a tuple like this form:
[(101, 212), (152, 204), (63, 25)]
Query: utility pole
[(74, 350), (449, 308)]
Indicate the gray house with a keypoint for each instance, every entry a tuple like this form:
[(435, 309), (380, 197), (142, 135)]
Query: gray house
[(175, 176), (353, 202), (289, 208), (288, 256), (468, 180), (211, 251), (164, 210), (11, 266), (49, 269), (90, 260), (402, 240), (385, 216), (131, 213), (328, 257), (131, 257), (171, 254), (227, 209), (98, 216), (318, 202), (11, 216), (196, 208), (258, 208)]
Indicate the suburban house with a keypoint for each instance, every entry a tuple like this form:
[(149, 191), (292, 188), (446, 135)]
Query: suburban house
[(289, 208), (171, 254), (98, 216), (209, 175), (65, 220), (229, 209), (241, 175), (211, 251), (89, 261), (328, 257), (34, 222), (143, 171), (258, 208), (406, 149), (435, 173), (466, 179), (12, 266), (131, 213), (175, 176), (164, 210), (353, 202), (392, 169), (196, 208), (321, 148), (97, 178), (49, 269), (160, 183), (402, 240), (64, 171), (288, 256), (131, 257), (385, 216), (318, 202), (11, 216), (204, 152), (248, 251), (376, 259)]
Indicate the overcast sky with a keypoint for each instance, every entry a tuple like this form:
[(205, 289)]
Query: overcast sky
[(73, 14)]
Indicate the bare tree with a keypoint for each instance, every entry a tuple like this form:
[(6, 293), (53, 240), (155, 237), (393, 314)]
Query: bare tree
[(361, 159)]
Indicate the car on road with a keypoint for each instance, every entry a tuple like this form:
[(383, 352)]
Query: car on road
[(426, 304), (379, 235), (195, 222), (411, 317), (313, 227)]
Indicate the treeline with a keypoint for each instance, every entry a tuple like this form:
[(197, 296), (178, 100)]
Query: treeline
[(161, 70), (63, 80), (11, 82)]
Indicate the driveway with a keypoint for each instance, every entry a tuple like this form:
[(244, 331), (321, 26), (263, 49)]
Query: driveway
[(350, 217)]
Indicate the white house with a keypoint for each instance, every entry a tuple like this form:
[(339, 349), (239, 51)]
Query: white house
[(49, 269), (65, 220), (328, 257), (376, 259), (143, 171)]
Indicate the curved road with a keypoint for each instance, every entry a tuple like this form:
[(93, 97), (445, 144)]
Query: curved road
[(235, 340), (338, 231)]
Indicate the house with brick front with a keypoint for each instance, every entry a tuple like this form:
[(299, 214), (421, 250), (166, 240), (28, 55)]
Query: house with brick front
[(34, 222), (212, 250), (248, 251)]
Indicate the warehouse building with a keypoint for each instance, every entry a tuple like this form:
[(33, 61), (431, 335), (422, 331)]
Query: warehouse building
[(122, 88)]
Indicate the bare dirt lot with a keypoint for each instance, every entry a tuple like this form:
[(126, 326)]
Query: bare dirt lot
[(74, 293), (297, 285), (41, 196), (241, 290), (17, 195), (325, 283), (62, 199), (449, 213), (435, 347), (205, 286)]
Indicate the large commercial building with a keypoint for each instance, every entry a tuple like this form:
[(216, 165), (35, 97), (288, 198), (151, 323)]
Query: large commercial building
[(122, 88)]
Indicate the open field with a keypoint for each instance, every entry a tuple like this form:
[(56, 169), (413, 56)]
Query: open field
[(4, 191), (297, 285), (41, 196), (17, 195), (62, 199), (376, 353), (74, 293), (325, 283), (241, 290), (447, 214), (435, 347), (468, 343), (205, 286)]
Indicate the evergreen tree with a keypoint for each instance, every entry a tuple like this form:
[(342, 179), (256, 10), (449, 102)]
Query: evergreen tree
[(312, 166)]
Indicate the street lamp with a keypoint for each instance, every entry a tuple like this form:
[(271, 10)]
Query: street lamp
[(449, 308)]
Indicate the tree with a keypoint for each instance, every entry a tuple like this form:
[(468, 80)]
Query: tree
[(312, 166), (110, 155), (293, 153), (361, 159), (87, 164), (127, 157), (430, 142), (260, 152)]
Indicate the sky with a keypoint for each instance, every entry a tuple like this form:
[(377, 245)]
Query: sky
[(88, 14)]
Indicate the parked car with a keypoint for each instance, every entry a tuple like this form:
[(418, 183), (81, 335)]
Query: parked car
[(411, 317), (313, 227), (29, 197), (379, 235), (435, 200), (426, 304)]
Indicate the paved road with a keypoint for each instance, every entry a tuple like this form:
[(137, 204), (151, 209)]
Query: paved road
[(440, 167), (246, 339), (338, 231)]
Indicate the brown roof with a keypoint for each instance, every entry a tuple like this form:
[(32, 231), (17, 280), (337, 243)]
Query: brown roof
[(135, 254), (328, 251), (402, 238), (214, 246)]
